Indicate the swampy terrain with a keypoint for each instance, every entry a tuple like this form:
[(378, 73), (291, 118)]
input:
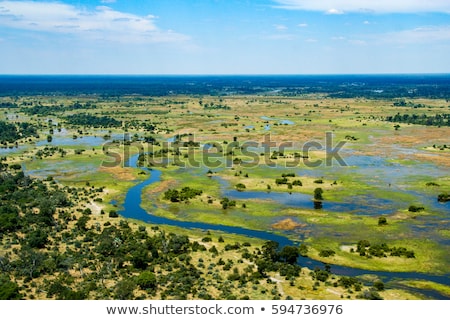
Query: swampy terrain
[(225, 187)]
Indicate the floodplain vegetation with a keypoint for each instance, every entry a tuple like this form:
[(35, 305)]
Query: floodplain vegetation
[(229, 160)]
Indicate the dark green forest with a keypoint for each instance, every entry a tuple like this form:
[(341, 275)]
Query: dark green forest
[(46, 110), (11, 132), (84, 119), (422, 119)]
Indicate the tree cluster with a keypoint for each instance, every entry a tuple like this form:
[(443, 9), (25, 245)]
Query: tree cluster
[(10, 132), (423, 119), (85, 119), (46, 110), (184, 194), (365, 248)]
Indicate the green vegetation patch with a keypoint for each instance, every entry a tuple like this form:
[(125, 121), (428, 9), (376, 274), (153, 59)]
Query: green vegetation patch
[(11, 132), (85, 119)]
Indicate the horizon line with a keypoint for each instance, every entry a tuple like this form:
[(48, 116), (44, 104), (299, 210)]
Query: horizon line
[(222, 74)]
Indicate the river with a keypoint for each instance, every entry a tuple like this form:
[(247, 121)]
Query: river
[(132, 209)]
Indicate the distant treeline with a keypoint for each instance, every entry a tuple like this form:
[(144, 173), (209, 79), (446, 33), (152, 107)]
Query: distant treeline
[(213, 106), (423, 119), (403, 103), (43, 110), (84, 119), (10, 132), (337, 86), (7, 105)]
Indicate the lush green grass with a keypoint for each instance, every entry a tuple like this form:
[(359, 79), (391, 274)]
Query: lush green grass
[(445, 290), (429, 256)]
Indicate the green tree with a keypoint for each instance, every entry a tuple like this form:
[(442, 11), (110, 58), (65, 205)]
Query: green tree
[(16, 166), (327, 253), (270, 250), (113, 214), (140, 258), (240, 187), (147, 281), (318, 194), (226, 203), (81, 224), (37, 238), (414, 208), (303, 250), (9, 218), (178, 244), (46, 211), (382, 221), (289, 254), (123, 289), (8, 290)]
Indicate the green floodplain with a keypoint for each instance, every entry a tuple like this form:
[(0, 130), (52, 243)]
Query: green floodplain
[(345, 179)]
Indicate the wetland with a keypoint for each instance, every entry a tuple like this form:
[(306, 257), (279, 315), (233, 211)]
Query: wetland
[(329, 168)]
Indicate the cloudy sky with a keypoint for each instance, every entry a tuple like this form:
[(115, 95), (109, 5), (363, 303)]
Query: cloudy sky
[(224, 36)]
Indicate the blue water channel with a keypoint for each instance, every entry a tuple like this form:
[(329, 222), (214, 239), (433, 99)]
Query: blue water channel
[(305, 201), (86, 140), (132, 209)]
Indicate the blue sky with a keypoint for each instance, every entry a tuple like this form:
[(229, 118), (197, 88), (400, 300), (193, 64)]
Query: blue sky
[(224, 36)]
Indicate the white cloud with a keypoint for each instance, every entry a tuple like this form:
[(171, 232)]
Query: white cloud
[(108, 1), (377, 6), (366, 22), (334, 11), (280, 27), (421, 35), (103, 23), (303, 25)]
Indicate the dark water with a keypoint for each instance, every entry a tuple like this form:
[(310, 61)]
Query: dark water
[(132, 209), (369, 86)]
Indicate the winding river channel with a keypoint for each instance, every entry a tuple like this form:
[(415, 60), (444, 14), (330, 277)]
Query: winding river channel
[(132, 209)]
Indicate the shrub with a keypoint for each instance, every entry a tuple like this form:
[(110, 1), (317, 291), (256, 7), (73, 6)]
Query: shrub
[(326, 253), (240, 187), (206, 239), (113, 214), (147, 280), (124, 289), (297, 183), (318, 194), (290, 174), (9, 290), (370, 295), (443, 197), (382, 221), (378, 285), (413, 208)]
